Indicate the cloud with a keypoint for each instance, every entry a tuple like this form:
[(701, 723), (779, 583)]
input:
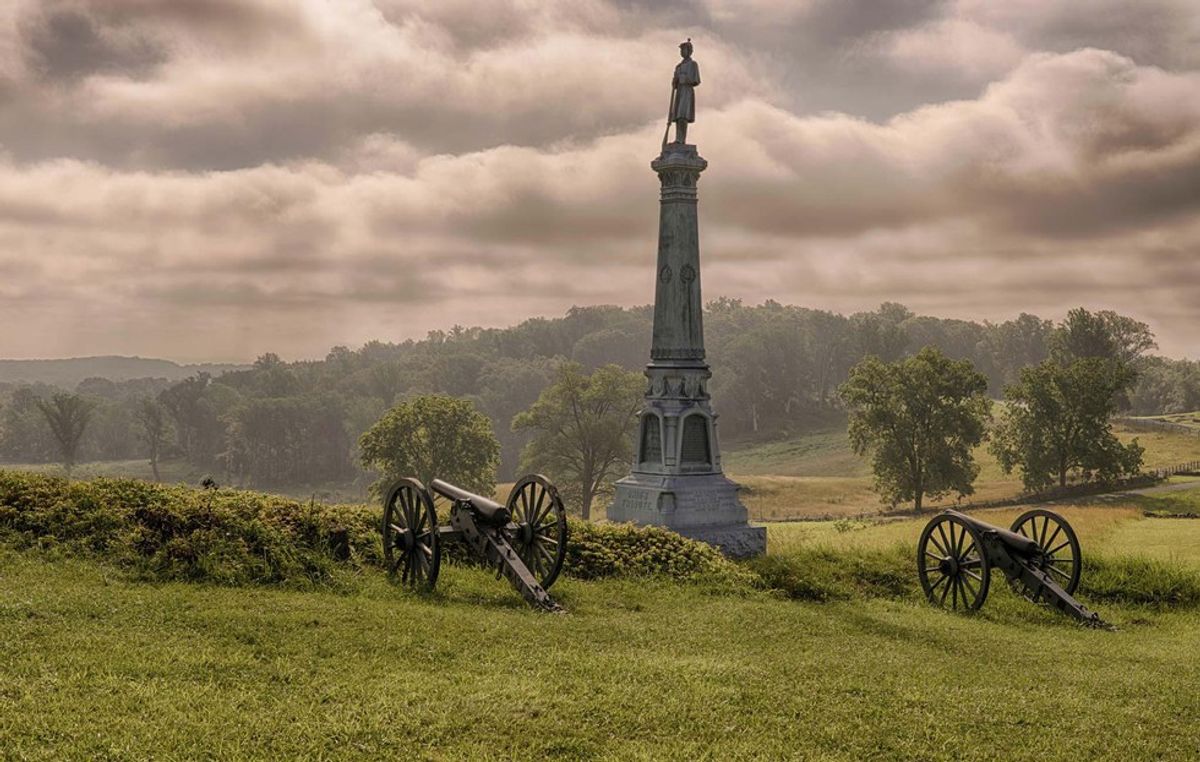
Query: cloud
[(210, 179)]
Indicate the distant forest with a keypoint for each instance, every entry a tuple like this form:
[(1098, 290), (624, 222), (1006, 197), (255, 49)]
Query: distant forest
[(776, 369)]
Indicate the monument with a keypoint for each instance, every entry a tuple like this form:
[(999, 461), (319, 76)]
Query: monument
[(676, 481)]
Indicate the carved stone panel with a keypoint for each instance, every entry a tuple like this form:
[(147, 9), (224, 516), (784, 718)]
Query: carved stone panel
[(694, 447)]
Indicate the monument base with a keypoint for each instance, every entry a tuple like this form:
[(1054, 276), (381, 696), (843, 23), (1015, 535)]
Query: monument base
[(703, 507)]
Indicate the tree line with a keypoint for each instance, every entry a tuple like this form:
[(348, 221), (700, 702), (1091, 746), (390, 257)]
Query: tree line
[(776, 371), (920, 419)]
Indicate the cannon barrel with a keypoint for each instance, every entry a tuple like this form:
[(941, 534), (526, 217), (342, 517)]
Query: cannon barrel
[(489, 510), (1017, 543)]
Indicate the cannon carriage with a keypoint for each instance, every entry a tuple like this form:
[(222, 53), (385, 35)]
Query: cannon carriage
[(525, 539), (1039, 555)]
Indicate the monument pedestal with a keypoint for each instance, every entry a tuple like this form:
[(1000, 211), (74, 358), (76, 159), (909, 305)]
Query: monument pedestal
[(676, 480)]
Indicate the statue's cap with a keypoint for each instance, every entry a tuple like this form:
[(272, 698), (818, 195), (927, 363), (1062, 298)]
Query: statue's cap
[(687, 44)]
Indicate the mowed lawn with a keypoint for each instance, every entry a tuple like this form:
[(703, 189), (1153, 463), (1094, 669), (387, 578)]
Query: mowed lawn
[(818, 476), (97, 666)]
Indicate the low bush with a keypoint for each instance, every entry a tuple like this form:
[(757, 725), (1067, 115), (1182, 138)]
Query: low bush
[(1137, 580), (596, 551), (177, 533), (824, 574), (236, 537)]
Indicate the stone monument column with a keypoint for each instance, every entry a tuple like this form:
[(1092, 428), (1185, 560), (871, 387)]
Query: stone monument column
[(676, 481)]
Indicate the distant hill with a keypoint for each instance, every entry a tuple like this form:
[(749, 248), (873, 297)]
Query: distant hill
[(69, 372)]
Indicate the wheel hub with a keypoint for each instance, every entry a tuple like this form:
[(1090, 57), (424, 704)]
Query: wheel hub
[(948, 566)]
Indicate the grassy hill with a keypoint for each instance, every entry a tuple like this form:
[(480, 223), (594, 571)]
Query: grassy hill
[(100, 666)]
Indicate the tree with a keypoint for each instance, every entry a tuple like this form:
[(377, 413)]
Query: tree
[(68, 416), (24, 436), (152, 420), (1057, 422), (582, 429), (1103, 334), (919, 418), (276, 441), (433, 436)]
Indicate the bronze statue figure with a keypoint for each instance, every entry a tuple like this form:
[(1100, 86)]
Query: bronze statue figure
[(683, 94)]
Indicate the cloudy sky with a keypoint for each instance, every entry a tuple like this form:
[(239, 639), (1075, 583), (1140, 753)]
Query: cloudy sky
[(212, 179)]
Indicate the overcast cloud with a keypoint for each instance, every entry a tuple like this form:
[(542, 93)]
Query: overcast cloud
[(213, 179)]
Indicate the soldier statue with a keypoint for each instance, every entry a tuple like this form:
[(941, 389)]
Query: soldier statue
[(683, 93)]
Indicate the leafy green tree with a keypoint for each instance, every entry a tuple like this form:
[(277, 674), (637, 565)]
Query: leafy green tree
[(583, 429), (433, 436), (153, 429), (1057, 422), (68, 416), (919, 418), (1103, 334), (277, 441), (24, 436), (199, 408)]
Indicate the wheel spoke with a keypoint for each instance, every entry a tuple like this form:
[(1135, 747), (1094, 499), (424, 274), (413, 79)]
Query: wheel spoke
[(1060, 572), (524, 510), (1060, 547), (973, 574), (966, 586), (945, 544), (1057, 532)]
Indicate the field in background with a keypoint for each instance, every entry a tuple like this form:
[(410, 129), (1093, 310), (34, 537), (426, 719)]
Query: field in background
[(810, 476), (1190, 420), (818, 475)]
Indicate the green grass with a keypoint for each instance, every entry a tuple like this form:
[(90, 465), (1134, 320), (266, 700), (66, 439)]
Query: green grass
[(835, 656), (821, 453), (100, 667), (1184, 501)]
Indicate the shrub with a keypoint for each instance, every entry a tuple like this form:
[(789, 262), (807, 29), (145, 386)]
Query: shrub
[(1137, 580), (596, 551), (239, 537), (177, 533), (824, 574)]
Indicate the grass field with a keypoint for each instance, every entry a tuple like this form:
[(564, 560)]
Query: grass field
[(817, 475), (99, 667), (1191, 420)]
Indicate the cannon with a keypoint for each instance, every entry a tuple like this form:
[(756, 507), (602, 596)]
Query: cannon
[(525, 539), (1039, 554)]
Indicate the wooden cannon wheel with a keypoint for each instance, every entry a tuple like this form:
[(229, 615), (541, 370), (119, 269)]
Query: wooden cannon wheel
[(953, 568), (1060, 548), (410, 534), (540, 534)]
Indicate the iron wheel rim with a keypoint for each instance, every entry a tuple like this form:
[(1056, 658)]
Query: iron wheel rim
[(1060, 548), (540, 538), (411, 550), (951, 563)]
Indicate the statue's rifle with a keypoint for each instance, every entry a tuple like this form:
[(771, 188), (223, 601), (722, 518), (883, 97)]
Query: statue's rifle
[(670, 112)]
